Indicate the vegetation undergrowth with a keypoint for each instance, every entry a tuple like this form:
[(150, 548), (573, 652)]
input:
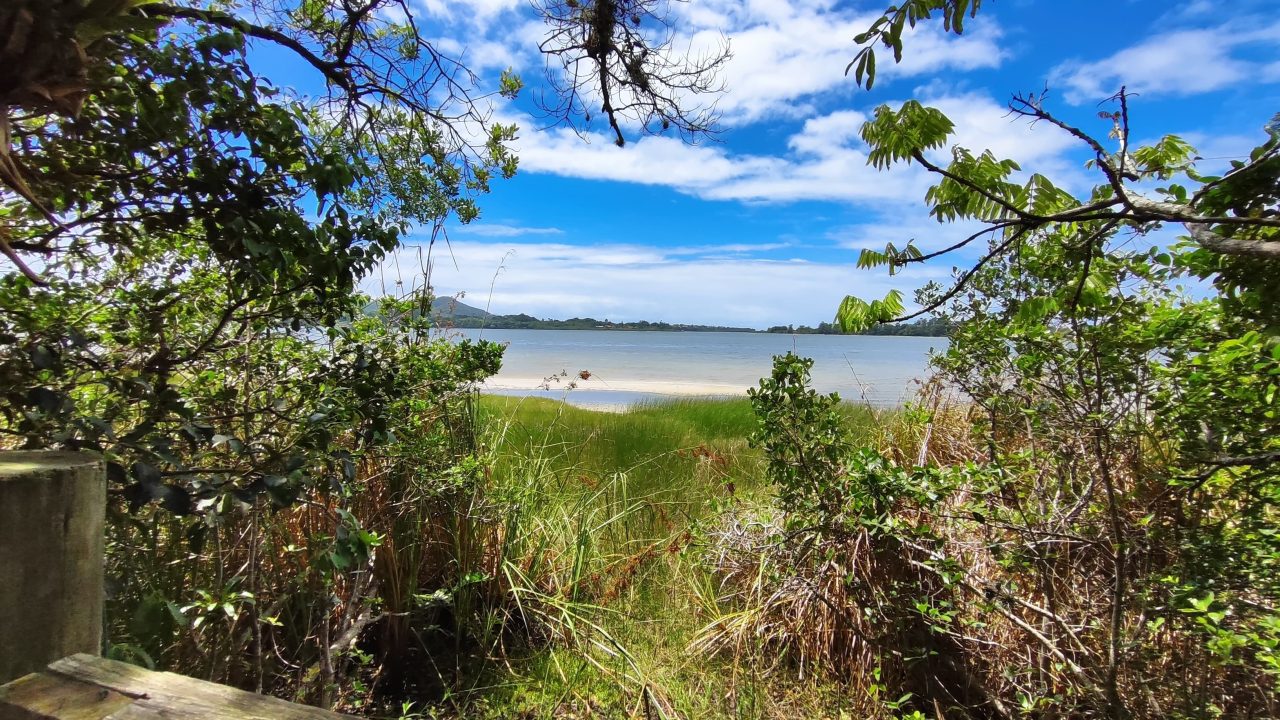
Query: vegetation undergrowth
[(308, 497), (615, 511)]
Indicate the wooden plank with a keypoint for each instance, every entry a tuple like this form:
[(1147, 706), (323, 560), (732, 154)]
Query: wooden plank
[(45, 696), (167, 695)]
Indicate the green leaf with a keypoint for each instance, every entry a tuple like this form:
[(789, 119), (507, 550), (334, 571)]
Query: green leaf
[(1036, 309)]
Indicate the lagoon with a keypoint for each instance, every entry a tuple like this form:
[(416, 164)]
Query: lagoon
[(626, 367)]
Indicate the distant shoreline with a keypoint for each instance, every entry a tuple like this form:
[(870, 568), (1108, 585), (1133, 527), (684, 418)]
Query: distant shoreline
[(452, 313), (448, 325), (627, 385), (927, 328)]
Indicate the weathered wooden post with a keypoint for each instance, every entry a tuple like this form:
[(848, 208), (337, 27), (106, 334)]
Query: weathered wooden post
[(52, 508)]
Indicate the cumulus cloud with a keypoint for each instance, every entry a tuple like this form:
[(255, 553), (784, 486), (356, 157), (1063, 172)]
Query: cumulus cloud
[(813, 170), (825, 159), (651, 160), (475, 12), (788, 54), (1176, 63), (481, 55)]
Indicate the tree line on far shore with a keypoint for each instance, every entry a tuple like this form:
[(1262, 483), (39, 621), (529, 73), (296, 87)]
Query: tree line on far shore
[(924, 327), (919, 328)]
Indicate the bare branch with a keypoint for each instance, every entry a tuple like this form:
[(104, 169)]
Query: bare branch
[(620, 55)]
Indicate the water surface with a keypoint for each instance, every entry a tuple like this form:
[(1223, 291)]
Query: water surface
[(625, 367)]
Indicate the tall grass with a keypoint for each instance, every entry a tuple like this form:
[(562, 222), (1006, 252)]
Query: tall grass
[(604, 546), (561, 568)]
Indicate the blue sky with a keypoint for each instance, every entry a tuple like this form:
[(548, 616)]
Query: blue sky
[(763, 226)]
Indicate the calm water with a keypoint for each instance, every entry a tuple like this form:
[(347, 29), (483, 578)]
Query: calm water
[(627, 367)]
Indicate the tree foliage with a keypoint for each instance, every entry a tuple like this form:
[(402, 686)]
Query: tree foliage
[(887, 31), (185, 245), (1232, 218), (1129, 541), (187, 211)]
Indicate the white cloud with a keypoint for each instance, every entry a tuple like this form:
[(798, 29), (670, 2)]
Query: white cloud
[(480, 55), (503, 230), (826, 163), (924, 232), (826, 131), (650, 160), (826, 159), (981, 123), (787, 54), (474, 12), (625, 282), (728, 250), (1177, 63)]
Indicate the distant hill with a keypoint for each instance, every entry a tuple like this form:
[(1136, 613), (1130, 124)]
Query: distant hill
[(455, 313), (449, 311), (450, 308)]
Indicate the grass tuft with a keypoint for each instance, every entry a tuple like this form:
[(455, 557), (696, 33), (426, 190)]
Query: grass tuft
[(607, 552)]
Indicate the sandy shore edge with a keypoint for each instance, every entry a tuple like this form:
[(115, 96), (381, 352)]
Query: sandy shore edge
[(657, 387)]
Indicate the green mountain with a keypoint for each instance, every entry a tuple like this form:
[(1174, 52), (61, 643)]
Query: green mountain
[(452, 308), (454, 313)]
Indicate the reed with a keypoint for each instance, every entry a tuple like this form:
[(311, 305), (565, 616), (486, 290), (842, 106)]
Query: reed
[(616, 513)]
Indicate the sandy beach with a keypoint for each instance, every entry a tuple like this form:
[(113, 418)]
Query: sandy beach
[(604, 368), (627, 385)]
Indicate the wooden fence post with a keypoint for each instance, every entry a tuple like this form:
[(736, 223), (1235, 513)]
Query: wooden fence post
[(52, 509)]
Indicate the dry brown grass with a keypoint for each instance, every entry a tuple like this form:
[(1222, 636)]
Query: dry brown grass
[(1020, 570), (781, 608)]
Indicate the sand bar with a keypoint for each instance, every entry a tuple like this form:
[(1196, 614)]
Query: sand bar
[(656, 387)]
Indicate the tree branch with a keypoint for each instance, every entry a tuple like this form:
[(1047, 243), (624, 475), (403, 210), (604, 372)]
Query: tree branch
[(333, 71), (1261, 249)]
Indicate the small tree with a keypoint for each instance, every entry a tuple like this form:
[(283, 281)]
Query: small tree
[(187, 242), (1135, 425)]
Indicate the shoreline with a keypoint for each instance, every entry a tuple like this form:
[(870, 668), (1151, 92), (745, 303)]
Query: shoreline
[(623, 396), (571, 384), (456, 328)]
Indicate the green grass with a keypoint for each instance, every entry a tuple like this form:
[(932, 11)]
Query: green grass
[(654, 444), (661, 443), (608, 513)]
